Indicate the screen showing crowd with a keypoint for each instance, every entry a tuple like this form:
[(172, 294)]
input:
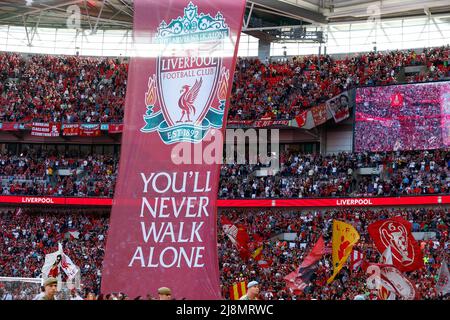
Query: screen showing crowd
[(403, 117)]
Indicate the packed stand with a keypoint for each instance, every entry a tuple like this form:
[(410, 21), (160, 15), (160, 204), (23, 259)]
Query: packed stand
[(316, 175), (69, 89), (281, 90), (74, 89), (26, 237), (284, 257), (46, 174)]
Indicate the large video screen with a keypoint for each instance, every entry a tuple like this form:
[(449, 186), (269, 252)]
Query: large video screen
[(402, 117)]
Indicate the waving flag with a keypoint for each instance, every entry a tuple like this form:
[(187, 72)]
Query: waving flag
[(298, 280), (356, 259), (443, 283), (56, 261), (344, 238), (386, 291), (392, 278), (393, 283), (396, 233), (238, 236)]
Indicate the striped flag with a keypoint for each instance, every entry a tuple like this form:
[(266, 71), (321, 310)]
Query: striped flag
[(237, 290), (356, 259)]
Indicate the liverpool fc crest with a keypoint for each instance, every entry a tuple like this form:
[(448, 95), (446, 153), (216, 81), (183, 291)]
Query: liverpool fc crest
[(186, 97)]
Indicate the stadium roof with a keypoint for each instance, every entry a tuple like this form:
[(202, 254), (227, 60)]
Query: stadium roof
[(118, 14)]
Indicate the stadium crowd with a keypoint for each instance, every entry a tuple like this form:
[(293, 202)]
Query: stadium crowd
[(399, 118), (79, 89), (280, 90), (282, 257), (69, 89), (300, 175), (48, 174), (26, 236), (316, 175)]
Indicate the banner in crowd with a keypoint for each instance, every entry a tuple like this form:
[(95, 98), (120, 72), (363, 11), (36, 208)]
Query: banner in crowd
[(238, 236), (339, 107), (356, 259), (343, 239), (90, 130), (396, 233), (115, 128), (298, 280), (319, 114), (385, 290), (392, 278), (163, 229), (45, 129), (301, 118), (237, 290), (392, 282), (70, 130), (257, 123), (59, 261), (10, 126)]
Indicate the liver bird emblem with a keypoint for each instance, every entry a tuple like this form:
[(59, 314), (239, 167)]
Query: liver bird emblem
[(187, 98)]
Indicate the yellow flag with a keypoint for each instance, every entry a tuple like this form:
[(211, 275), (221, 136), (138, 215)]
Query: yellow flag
[(256, 255), (343, 240)]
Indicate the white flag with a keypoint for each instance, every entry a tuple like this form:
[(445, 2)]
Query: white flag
[(386, 257), (397, 281), (443, 283), (69, 268)]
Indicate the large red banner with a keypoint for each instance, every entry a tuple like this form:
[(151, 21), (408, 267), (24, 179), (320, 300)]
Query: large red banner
[(396, 233), (163, 228)]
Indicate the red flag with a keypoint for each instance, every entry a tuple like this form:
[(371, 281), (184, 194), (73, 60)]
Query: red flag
[(238, 236), (265, 263), (242, 240), (297, 280), (301, 118), (356, 259), (396, 100), (115, 128), (396, 233)]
